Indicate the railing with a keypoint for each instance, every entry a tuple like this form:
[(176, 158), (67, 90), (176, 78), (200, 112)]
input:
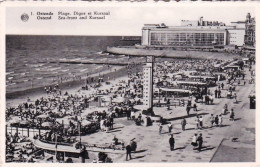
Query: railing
[(24, 131)]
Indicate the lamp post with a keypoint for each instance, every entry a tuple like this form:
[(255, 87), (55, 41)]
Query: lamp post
[(56, 147)]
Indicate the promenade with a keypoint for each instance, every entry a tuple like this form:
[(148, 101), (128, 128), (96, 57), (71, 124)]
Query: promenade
[(217, 145)]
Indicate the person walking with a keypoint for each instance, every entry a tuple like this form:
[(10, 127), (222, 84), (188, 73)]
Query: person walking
[(225, 109), (195, 107), (171, 142), (197, 122), (222, 85), (128, 152), (183, 124), (170, 127), (107, 126), (194, 142), (220, 119), (235, 97), (219, 93), (201, 122), (160, 128), (111, 119), (212, 120), (216, 93), (216, 120), (188, 110), (232, 115), (200, 141)]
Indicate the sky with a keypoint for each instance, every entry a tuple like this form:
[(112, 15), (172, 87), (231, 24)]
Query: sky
[(127, 20)]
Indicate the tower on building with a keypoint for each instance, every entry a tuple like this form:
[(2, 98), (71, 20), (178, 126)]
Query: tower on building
[(148, 82)]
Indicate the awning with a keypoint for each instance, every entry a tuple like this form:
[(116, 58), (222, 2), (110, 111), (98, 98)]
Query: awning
[(190, 83), (175, 90)]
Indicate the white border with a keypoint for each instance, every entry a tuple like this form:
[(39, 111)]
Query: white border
[(3, 5)]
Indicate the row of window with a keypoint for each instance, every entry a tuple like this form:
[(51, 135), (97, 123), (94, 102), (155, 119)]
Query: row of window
[(187, 38)]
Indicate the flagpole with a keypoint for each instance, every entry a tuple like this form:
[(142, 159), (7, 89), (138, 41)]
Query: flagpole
[(56, 147)]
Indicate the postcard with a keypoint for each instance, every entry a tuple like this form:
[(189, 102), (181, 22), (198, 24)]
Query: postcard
[(129, 83)]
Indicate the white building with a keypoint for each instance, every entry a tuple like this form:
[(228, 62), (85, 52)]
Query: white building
[(236, 37), (194, 34), (148, 85)]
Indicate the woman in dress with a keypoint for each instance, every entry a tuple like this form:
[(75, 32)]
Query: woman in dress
[(194, 141)]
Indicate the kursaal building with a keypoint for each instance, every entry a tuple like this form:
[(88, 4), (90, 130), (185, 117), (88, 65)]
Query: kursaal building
[(199, 34)]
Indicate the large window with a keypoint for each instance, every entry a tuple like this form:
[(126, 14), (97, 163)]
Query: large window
[(187, 38)]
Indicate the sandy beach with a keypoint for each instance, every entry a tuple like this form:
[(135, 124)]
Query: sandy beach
[(113, 75)]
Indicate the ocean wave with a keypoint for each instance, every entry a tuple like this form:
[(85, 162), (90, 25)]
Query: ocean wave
[(65, 70), (11, 84), (8, 73), (83, 70), (53, 69)]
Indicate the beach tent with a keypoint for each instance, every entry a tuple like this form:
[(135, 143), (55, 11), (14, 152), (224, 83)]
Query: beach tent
[(24, 122), (43, 116), (14, 120), (191, 83), (119, 100), (175, 90), (47, 124), (85, 123)]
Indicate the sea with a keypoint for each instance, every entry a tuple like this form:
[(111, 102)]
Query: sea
[(28, 58)]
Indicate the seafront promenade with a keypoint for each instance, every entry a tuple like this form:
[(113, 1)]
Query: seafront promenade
[(153, 146), (169, 53), (217, 146)]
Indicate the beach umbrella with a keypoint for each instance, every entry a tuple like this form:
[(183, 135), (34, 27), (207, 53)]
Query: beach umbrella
[(47, 124)]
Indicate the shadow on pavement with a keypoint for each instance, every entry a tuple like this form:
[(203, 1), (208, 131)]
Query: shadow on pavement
[(206, 148), (179, 148), (118, 127), (190, 129), (138, 157), (186, 116), (139, 151), (223, 126), (111, 131)]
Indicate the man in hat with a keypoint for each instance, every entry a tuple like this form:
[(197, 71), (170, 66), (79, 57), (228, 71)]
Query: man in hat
[(128, 152), (172, 142), (200, 141)]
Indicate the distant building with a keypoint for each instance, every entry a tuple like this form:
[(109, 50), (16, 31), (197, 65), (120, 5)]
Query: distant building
[(236, 33), (184, 36), (250, 31), (199, 34)]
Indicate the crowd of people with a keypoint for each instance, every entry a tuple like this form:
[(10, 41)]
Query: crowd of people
[(65, 114)]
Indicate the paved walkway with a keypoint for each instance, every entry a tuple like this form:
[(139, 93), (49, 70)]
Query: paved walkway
[(154, 147)]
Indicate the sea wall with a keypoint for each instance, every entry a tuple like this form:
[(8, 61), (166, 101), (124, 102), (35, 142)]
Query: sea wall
[(169, 53)]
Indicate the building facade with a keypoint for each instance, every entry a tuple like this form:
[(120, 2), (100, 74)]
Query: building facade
[(184, 36), (148, 83), (200, 34), (250, 31)]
